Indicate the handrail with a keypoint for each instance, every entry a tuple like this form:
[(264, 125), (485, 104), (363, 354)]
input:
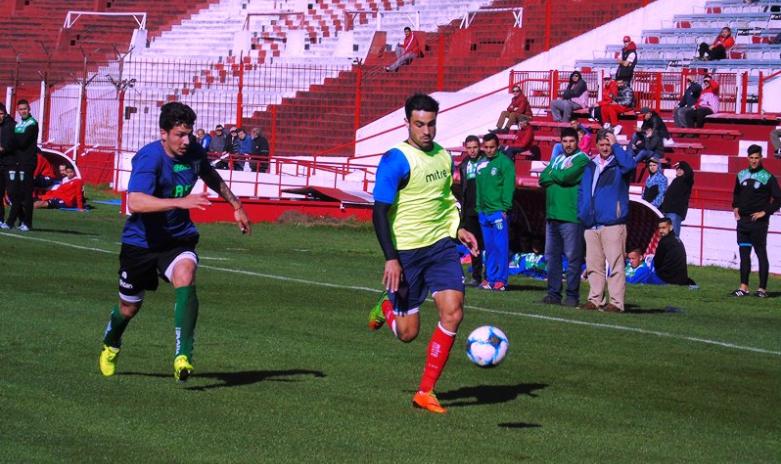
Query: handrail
[(73, 16), (469, 16)]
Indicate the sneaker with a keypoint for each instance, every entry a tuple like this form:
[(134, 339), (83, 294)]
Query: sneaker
[(606, 126), (182, 368), (499, 287), (551, 300), (611, 308), (376, 317), (571, 302), (740, 293), (23, 228), (760, 294), (485, 285), (617, 130), (3, 225), (589, 306), (428, 401), (108, 360)]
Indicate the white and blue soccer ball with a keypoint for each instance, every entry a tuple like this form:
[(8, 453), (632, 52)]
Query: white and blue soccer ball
[(487, 346)]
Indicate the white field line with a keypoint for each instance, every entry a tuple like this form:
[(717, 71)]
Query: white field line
[(562, 320)]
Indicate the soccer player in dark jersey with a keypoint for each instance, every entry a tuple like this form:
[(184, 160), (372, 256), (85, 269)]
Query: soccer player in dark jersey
[(159, 238), (417, 223)]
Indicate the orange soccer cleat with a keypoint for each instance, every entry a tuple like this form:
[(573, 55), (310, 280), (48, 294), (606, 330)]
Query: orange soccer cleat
[(428, 401)]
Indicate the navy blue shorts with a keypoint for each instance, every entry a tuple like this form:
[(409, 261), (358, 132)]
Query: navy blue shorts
[(433, 268)]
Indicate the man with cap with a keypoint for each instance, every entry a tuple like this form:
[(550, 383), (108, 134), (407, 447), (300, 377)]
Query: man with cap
[(656, 184), (755, 197), (628, 60)]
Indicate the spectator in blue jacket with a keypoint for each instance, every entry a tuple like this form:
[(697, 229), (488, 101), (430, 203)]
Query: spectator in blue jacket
[(655, 185), (603, 209), (246, 148), (203, 139)]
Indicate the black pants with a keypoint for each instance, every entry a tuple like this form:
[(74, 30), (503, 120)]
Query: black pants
[(472, 224), (696, 117), (20, 190), (753, 234), (718, 53), (3, 183)]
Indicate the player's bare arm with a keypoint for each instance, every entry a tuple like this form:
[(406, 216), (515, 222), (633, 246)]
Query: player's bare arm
[(215, 182), (138, 202), (469, 240)]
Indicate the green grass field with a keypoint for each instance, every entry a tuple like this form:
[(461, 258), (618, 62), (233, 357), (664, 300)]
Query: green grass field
[(286, 370)]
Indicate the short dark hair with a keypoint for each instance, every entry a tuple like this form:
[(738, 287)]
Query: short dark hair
[(602, 134), (754, 148), (569, 132), (636, 250), (665, 220), (491, 136), (218, 126), (420, 102), (22, 102), (174, 114), (241, 129), (472, 138), (408, 29)]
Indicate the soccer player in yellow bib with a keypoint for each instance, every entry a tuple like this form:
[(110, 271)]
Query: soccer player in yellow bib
[(417, 224)]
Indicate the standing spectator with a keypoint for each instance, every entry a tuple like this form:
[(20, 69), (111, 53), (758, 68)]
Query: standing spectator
[(687, 102), (469, 217), (775, 139), (563, 231), (609, 91), (755, 198), (655, 185), (68, 194), (676, 200), (245, 148), (603, 209), (518, 109), (203, 138), (406, 51), (495, 189), (7, 157), (523, 141), (21, 173), (718, 49), (260, 148), (574, 97), (219, 141), (623, 102), (628, 60), (708, 103), (670, 259)]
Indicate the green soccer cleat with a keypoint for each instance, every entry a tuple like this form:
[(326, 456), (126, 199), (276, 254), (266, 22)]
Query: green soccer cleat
[(376, 317), (108, 360), (182, 368)]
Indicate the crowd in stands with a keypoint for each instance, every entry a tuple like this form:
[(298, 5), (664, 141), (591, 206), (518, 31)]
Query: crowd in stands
[(249, 152)]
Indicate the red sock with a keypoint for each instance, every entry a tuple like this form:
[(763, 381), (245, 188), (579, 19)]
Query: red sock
[(438, 352), (390, 317)]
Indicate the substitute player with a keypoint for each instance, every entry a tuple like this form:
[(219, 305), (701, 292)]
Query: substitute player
[(159, 238), (417, 221)]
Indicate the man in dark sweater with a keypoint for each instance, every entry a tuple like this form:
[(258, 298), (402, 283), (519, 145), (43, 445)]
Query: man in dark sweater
[(469, 219), (755, 198), (676, 200), (20, 174), (7, 124), (670, 257)]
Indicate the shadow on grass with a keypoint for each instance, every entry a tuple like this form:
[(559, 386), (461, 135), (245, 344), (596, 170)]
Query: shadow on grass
[(520, 288), (237, 379), (519, 425), (488, 394), (634, 309), (64, 231)]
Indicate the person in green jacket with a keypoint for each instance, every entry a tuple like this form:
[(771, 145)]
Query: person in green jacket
[(495, 188), (563, 231)]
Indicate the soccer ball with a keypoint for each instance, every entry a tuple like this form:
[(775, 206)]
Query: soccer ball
[(487, 346)]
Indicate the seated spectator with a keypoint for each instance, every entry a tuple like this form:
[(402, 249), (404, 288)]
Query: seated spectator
[(219, 141), (246, 146), (523, 141), (652, 119), (646, 144), (44, 176), (628, 60), (586, 137), (203, 139), (260, 148), (676, 199), (639, 270), (574, 97), (406, 51), (609, 91), (623, 102), (775, 139), (656, 184), (687, 102), (232, 143), (718, 49), (708, 103), (518, 109), (69, 194), (670, 258)]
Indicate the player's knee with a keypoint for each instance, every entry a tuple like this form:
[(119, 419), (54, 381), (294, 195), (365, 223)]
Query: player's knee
[(129, 310), (407, 335), (452, 316), (184, 273)]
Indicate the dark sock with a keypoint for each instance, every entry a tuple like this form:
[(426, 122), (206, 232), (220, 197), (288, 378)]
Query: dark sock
[(115, 328)]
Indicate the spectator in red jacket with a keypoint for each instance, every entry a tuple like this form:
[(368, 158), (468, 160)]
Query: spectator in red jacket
[(623, 102), (523, 141), (405, 52), (708, 103), (718, 49), (609, 91), (44, 175), (519, 109), (69, 194)]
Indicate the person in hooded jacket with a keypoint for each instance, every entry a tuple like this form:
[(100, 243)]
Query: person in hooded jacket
[(708, 103), (7, 125), (574, 97), (718, 49), (628, 60), (687, 102), (676, 199)]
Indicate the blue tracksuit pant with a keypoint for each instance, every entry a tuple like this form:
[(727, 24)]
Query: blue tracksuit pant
[(496, 238)]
